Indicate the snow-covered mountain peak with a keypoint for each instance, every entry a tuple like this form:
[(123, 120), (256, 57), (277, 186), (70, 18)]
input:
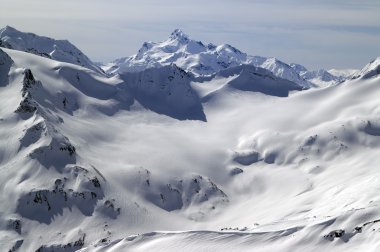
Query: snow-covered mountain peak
[(372, 69), (344, 73), (179, 35), (60, 50), (320, 77), (201, 59), (7, 28)]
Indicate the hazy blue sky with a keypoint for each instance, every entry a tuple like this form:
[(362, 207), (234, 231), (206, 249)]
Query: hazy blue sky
[(316, 33)]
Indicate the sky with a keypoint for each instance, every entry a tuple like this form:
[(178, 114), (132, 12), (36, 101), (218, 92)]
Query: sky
[(315, 33)]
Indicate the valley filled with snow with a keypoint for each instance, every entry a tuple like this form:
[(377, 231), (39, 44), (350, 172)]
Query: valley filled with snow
[(185, 146)]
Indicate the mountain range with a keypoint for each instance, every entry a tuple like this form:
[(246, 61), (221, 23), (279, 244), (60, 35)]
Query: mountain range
[(184, 146), (207, 59)]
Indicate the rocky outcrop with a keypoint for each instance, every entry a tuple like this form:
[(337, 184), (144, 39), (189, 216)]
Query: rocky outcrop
[(29, 84), (5, 66), (78, 188), (191, 191)]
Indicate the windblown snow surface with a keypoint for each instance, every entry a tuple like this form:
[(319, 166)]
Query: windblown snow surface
[(157, 160)]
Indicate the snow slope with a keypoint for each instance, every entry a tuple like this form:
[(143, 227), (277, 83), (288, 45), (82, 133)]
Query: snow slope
[(371, 70), (345, 73), (60, 50), (160, 160), (309, 187), (165, 90), (253, 79)]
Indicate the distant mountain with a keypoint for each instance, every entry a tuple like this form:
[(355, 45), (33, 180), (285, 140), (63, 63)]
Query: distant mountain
[(344, 73), (321, 77), (198, 58), (372, 69), (60, 50)]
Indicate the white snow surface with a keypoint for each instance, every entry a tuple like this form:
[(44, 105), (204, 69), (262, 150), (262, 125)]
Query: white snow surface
[(60, 50), (371, 70), (156, 161), (345, 73)]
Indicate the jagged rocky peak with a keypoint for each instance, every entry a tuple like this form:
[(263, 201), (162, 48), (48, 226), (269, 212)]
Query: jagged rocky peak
[(29, 80), (28, 104), (370, 70), (179, 35)]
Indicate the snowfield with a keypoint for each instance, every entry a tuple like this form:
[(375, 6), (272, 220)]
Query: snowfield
[(164, 158)]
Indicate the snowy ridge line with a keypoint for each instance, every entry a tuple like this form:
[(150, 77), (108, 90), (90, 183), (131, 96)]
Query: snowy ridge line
[(234, 239), (60, 50)]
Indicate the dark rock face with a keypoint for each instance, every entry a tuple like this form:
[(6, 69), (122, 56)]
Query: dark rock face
[(335, 234), (247, 158), (5, 66), (16, 246), (5, 44), (69, 247), (69, 148), (15, 224), (28, 82), (36, 52), (235, 171), (28, 104)]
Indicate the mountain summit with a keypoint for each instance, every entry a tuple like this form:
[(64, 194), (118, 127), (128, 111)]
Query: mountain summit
[(198, 58), (179, 35)]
